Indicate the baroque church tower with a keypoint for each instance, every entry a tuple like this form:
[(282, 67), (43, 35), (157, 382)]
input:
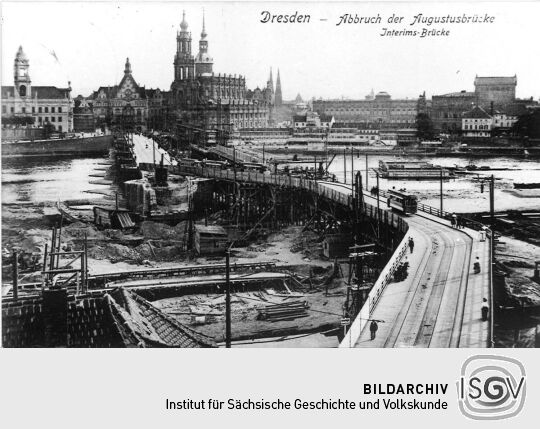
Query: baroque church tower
[(203, 62), (21, 77), (184, 63)]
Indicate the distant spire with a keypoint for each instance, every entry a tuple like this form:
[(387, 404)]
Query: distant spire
[(203, 33), (127, 70), (278, 100)]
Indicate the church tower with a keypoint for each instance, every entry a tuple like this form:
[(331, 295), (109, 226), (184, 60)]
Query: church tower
[(184, 63), (21, 76), (278, 100), (270, 88), (203, 62)]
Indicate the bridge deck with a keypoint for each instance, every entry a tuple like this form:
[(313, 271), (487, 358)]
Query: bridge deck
[(439, 303), (143, 148)]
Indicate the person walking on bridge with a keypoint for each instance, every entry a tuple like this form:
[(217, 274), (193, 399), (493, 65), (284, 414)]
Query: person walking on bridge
[(485, 310), (373, 326), (453, 220), (411, 244)]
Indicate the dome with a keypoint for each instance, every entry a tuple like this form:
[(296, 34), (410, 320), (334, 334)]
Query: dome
[(21, 56), (203, 57), (184, 24)]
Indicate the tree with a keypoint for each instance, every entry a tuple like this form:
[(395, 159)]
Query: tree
[(528, 125), (424, 127)]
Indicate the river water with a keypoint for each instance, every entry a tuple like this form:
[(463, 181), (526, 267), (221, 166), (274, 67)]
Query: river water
[(46, 179), (460, 194), (42, 180)]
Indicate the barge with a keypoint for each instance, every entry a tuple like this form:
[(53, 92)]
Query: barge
[(92, 145), (413, 170)]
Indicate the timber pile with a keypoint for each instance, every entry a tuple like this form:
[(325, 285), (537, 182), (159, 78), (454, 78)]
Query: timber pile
[(280, 312)]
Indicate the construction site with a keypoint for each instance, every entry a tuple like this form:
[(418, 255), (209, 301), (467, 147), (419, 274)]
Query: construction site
[(206, 249)]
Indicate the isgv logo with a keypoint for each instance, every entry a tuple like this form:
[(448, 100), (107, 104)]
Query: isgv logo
[(491, 387)]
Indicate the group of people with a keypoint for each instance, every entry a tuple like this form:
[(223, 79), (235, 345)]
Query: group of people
[(457, 222)]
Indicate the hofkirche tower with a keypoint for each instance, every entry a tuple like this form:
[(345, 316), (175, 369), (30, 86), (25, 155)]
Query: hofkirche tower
[(207, 100), (184, 63)]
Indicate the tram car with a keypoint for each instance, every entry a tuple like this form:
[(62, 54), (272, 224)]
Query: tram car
[(188, 162), (404, 202), (218, 165), (254, 167)]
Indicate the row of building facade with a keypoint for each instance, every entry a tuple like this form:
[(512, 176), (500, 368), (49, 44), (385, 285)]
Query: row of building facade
[(201, 102)]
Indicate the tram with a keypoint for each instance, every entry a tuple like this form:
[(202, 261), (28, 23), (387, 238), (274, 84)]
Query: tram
[(403, 201)]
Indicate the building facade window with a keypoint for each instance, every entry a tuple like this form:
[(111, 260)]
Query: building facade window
[(52, 109), (59, 119), (40, 110), (53, 119), (46, 110)]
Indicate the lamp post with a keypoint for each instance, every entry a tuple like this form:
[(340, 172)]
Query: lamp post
[(441, 189), (378, 209), (227, 300)]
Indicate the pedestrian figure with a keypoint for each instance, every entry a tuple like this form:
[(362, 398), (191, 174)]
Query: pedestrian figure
[(458, 222), (411, 244), (485, 309), (453, 220), (483, 233), (373, 329)]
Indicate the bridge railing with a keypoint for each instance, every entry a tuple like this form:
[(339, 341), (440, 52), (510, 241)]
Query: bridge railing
[(374, 295), (344, 198), (235, 154)]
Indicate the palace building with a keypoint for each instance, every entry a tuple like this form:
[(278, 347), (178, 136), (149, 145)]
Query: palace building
[(207, 102), (375, 111), (36, 106), (127, 104)]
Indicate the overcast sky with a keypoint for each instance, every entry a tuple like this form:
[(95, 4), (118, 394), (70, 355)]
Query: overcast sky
[(87, 43)]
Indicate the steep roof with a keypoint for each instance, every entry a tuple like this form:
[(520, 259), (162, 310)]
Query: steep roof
[(476, 113), (41, 92), (146, 325)]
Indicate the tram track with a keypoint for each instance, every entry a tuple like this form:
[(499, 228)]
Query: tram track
[(433, 312)]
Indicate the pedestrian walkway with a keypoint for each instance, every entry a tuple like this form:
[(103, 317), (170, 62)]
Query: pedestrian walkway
[(148, 152), (439, 303)]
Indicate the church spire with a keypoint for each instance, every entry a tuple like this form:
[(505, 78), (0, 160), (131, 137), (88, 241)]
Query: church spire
[(278, 100), (127, 69), (203, 32)]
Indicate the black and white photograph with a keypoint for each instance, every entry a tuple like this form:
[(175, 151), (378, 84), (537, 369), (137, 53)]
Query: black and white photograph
[(270, 175)]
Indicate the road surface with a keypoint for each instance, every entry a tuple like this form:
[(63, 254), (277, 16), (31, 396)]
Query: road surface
[(439, 303)]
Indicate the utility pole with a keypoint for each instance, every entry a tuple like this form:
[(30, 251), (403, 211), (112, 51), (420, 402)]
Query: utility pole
[(227, 300), (264, 144), (378, 209), (15, 276), (366, 171), (492, 199), (352, 166), (345, 166), (154, 152), (441, 190)]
